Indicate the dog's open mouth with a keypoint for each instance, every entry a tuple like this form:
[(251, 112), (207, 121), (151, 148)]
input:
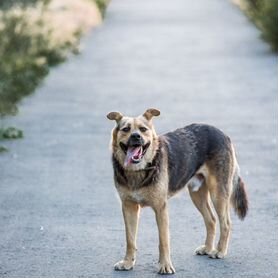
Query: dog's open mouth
[(134, 154)]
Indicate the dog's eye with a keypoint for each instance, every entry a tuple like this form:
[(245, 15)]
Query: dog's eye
[(126, 129), (143, 129)]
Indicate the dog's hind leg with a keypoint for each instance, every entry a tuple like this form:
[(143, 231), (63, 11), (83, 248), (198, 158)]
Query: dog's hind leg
[(201, 199), (222, 208), (131, 216)]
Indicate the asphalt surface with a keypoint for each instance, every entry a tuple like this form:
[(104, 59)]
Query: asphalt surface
[(197, 61)]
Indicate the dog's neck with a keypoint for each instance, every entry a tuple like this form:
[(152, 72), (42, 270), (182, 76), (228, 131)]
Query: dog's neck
[(141, 177)]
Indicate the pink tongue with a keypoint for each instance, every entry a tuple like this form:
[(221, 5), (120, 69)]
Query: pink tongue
[(132, 152)]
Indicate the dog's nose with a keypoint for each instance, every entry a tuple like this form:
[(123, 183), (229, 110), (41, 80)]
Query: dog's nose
[(135, 136)]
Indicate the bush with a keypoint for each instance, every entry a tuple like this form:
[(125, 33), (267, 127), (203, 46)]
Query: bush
[(7, 4), (10, 133), (102, 4), (33, 40), (22, 66), (265, 15), (268, 22), (29, 46), (26, 52)]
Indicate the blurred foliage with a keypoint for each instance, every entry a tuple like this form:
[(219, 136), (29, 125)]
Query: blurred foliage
[(26, 54), (102, 4), (28, 49), (3, 149), (10, 133), (7, 4), (265, 15), (22, 64)]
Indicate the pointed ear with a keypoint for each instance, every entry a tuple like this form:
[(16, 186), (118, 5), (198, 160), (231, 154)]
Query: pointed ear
[(116, 116), (150, 113)]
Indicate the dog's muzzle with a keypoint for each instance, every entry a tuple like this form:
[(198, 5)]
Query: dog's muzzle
[(134, 149)]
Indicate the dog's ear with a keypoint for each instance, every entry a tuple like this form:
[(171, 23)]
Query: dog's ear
[(114, 116), (150, 113)]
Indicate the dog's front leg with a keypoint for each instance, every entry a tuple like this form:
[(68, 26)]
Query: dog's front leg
[(162, 219), (131, 215)]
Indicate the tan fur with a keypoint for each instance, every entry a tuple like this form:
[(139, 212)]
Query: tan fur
[(201, 200), (131, 212)]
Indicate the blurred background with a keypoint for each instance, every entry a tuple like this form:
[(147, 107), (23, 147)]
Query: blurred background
[(36, 35), (64, 64)]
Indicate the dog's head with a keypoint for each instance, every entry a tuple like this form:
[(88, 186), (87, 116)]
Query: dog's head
[(134, 140)]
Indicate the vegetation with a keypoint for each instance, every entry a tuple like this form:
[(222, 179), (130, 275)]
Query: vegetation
[(265, 15), (29, 47), (26, 55), (7, 4), (102, 4), (10, 133), (3, 149)]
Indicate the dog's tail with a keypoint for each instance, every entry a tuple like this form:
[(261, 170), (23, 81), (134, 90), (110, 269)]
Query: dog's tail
[(239, 197)]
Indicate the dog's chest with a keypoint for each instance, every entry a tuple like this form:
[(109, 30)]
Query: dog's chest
[(140, 196), (134, 180)]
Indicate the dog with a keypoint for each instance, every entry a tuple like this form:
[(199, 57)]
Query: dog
[(149, 169)]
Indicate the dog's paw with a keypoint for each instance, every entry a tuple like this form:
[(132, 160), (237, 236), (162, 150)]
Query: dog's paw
[(124, 265), (166, 268), (203, 250), (217, 255)]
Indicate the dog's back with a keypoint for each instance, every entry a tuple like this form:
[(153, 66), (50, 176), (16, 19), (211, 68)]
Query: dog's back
[(191, 147)]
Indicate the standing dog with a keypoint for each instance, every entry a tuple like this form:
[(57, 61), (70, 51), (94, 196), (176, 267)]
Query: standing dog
[(149, 169)]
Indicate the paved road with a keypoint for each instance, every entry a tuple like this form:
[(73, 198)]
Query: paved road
[(197, 61)]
